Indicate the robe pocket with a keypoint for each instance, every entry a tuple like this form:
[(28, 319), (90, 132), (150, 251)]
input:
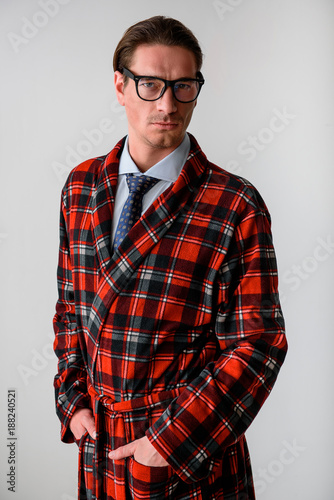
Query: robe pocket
[(81, 439), (86, 467), (155, 483)]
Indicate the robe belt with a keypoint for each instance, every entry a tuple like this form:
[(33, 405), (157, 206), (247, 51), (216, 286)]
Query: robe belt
[(106, 405), (144, 402)]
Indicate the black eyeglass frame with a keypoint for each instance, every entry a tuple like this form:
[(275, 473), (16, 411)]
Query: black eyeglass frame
[(167, 83)]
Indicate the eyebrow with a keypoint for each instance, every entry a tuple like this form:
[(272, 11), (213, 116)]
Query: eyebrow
[(197, 76)]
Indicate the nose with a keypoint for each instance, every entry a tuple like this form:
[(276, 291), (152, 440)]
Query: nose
[(167, 103)]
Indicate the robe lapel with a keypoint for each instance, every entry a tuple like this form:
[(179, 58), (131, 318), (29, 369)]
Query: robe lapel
[(102, 207), (117, 269)]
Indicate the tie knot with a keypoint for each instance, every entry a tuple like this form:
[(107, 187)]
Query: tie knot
[(140, 183)]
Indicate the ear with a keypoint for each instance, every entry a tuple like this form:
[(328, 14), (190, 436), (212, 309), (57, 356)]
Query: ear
[(119, 87)]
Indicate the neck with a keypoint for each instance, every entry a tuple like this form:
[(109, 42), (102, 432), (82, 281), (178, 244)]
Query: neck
[(148, 155)]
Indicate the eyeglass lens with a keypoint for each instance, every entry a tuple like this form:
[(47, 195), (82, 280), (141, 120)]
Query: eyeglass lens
[(151, 89)]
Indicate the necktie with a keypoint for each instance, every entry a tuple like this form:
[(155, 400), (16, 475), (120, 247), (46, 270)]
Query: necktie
[(138, 185)]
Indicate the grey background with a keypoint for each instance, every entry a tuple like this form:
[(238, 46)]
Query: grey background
[(263, 58)]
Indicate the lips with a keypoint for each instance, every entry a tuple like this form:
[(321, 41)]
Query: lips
[(166, 125)]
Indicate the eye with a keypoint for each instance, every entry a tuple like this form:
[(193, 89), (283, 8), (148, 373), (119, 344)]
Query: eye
[(148, 83), (182, 86), (185, 87)]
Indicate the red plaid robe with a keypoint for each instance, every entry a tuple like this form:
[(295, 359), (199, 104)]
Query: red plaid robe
[(177, 335)]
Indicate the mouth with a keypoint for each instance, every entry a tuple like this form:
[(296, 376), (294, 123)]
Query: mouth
[(165, 125)]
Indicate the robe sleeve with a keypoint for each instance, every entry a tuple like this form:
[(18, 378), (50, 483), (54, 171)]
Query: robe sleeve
[(70, 383), (216, 408)]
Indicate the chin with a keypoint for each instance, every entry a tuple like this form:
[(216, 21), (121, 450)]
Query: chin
[(166, 141)]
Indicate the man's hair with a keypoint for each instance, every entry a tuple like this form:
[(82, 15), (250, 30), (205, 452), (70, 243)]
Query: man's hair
[(158, 30)]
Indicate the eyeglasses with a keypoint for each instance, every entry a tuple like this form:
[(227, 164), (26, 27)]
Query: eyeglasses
[(151, 88)]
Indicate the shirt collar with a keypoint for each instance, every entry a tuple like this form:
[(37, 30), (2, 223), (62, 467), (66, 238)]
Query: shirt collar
[(168, 169)]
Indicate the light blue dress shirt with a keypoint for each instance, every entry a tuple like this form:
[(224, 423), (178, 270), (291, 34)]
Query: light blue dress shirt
[(166, 170)]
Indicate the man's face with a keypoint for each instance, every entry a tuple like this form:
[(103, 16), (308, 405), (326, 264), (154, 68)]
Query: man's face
[(156, 127)]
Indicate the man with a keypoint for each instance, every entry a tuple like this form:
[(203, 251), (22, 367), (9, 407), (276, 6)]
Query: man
[(168, 327)]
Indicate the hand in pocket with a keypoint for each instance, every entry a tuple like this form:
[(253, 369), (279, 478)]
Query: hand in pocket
[(142, 451)]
